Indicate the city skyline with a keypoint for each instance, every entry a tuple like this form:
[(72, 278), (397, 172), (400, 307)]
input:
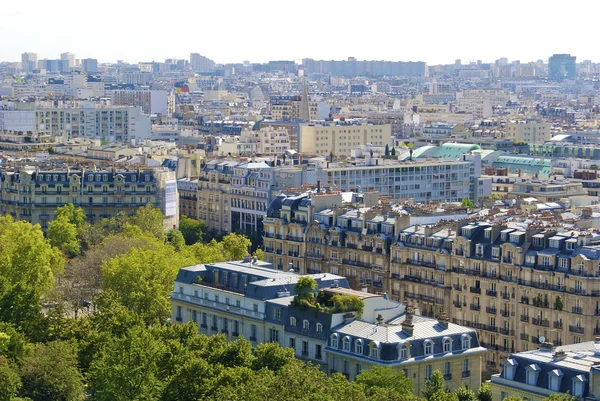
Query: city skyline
[(406, 32)]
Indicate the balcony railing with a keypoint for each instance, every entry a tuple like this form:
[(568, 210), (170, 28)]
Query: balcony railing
[(491, 293), (557, 325), (578, 310), (475, 307), (505, 295), (540, 322), (466, 373), (491, 310), (576, 329), (506, 332), (457, 304), (475, 290), (504, 312), (524, 336), (457, 287), (524, 318)]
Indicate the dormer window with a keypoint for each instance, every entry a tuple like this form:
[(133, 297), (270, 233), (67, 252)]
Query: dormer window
[(447, 344), (554, 379), (346, 343), (428, 347), (510, 367), (479, 249), (375, 349), (305, 325), (319, 328), (487, 233), (532, 373), (358, 346), (578, 384), (334, 340), (496, 252), (293, 321), (465, 341), (404, 351)]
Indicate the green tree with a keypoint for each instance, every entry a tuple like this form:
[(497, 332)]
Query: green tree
[(50, 373), (236, 246), (207, 253), (259, 254), (385, 377), (272, 356), (143, 278), (484, 393), (150, 220), (561, 397), (10, 381), (175, 238), (434, 384), (387, 150), (466, 202), (192, 229), (305, 288), (62, 234), (28, 267), (442, 395), (348, 303), (465, 394), (393, 152), (74, 215), (512, 398), (127, 370), (558, 303)]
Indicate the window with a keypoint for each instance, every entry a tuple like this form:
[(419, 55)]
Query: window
[(428, 345), (293, 343), (375, 350), (447, 344), (346, 343), (304, 348), (503, 395), (334, 340), (305, 325), (465, 371), (319, 328), (428, 372), (346, 368), (447, 370), (510, 367), (532, 372), (274, 335), (358, 369), (578, 385), (404, 351), (466, 341), (293, 321), (318, 354), (554, 379), (277, 314), (333, 365)]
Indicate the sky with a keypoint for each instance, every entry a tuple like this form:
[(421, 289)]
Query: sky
[(434, 31)]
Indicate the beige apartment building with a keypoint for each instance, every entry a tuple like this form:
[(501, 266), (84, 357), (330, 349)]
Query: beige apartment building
[(546, 190), (531, 132), (341, 139)]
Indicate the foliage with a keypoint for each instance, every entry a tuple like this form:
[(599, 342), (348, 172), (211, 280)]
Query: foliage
[(484, 393), (466, 202), (192, 229), (259, 254), (442, 395), (50, 373), (387, 150), (74, 215), (175, 238), (434, 384), (28, 267), (348, 303), (384, 377), (558, 303), (149, 219), (10, 381), (512, 398), (465, 394), (305, 288), (236, 246), (272, 357), (62, 234), (561, 397)]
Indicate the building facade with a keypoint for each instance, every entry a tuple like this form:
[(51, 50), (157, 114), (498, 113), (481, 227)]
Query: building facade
[(322, 140)]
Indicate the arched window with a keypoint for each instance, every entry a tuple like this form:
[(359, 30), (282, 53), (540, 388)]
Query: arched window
[(428, 347), (447, 344), (293, 321), (375, 349), (334, 340), (346, 343), (358, 346), (319, 328), (305, 325), (466, 341), (403, 351)]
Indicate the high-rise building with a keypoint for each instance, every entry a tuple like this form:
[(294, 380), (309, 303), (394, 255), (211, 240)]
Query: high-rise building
[(90, 65), (561, 66), (70, 58), (29, 61), (201, 63)]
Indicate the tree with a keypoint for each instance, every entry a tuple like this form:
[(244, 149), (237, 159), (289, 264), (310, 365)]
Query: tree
[(28, 267), (10, 381), (236, 246), (192, 229), (466, 202), (150, 220), (393, 152), (128, 369), (259, 254), (485, 392), (272, 357), (442, 395), (512, 398), (385, 377), (175, 238), (465, 394), (387, 150), (558, 303), (207, 253), (305, 288), (348, 303), (143, 278), (50, 373), (434, 384), (561, 397), (74, 215), (62, 234)]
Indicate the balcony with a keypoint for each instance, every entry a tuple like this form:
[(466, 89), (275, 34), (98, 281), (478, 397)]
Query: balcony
[(377, 284), (577, 290), (491, 293), (524, 336), (576, 329), (351, 245), (415, 279), (578, 310), (367, 248), (540, 322), (475, 290), (475, 307), (427, 298), (491, 310), (457, 304), (525, 318), (357, 263), (558, 325), (505, 295), (411, 295), (506, 332), (294, 239), (466, 373), (396, 276), (557, 343), (596, 331), (508, 350), (415, 261), (505, 313), (457, 287)]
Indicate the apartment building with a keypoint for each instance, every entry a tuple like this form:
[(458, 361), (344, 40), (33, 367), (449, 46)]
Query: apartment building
[(293, 108), (33, 194), (322, 140), (151, 101), (254, 300), (250, 195), (538, 374), (263, 141), (546, 190), (531, 132)]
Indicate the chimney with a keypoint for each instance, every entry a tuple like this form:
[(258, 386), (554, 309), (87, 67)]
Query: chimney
[(443, 320), (318, 186), (547, 346), (559, 355), (407, 324), (330, 157)]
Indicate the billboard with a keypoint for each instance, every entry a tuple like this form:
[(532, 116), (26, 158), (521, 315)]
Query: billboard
[(170, 205)]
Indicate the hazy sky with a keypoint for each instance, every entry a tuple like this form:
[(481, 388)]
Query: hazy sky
[(435, 31)]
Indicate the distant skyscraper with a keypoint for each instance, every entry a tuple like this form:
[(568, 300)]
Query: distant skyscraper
[(29, 61), (304, 106), (70, 58), (201, 63), (561, 66), (90, 65)]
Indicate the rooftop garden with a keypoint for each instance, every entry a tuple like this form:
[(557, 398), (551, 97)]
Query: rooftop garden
[(305, 298)]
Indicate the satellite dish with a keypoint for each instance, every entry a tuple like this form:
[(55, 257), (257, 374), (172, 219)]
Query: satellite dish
[(542, 339)]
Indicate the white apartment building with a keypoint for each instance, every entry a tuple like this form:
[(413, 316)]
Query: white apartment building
[(250, 195), (478, 108), (531, 132), (151, 101), (319, 139), (266, 141)]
